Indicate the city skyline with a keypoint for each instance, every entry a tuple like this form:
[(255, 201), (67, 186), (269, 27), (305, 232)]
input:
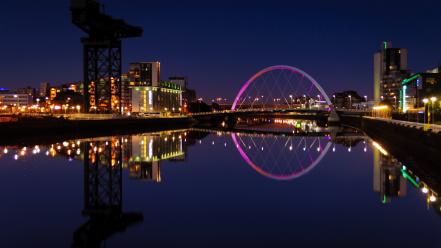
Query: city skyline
[(218, 46)]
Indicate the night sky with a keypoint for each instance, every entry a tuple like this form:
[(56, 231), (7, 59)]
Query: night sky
[(218, 45)]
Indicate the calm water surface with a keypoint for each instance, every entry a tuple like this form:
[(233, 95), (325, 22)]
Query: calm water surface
[(303, 186)]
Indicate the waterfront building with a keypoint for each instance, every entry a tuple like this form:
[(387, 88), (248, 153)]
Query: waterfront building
[(15, 100), (419, 86), (73, 87), (26, 90), (145, 74), (182, 81), (390, 68), (188, 95), (165, 99), (126, 94), (53, 92), (148, 94), (44, 89), (347, 99)]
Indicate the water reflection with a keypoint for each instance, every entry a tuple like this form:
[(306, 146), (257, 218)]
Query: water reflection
[(390, 176), (277, 149)]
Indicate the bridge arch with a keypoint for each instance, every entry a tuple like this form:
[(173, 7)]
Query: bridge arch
[(274, 68)]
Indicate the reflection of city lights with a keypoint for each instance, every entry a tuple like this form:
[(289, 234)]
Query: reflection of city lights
[(290, 148), (262, 148), (349, 149), (425, 190), (212, 142), (225, 144), (318, 148), (333, 149), (304, 149), (16, 156), (365, 149), (47, 153)]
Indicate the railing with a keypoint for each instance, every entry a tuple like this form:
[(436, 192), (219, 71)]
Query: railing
[(426, 127), (254, 110)]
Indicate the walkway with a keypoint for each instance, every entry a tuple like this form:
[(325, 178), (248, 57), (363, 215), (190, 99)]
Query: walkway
[(426, 127)]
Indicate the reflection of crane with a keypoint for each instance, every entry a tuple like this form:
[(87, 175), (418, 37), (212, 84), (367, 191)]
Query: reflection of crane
[(102, 54), (103, 194)]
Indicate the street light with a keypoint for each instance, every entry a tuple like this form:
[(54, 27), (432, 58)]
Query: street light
[(395, 104), (425, 101), (433, 100), (350, 101)]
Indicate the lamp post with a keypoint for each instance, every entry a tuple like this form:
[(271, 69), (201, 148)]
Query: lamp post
[(350, 102), (433, 100), (425, 101), (395, 102), (18, 101)]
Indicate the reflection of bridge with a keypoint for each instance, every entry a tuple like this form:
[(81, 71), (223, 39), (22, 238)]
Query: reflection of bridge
[(286, 155)]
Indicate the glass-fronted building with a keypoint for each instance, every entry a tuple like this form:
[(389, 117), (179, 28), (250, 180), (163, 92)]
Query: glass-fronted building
[(151, 96)]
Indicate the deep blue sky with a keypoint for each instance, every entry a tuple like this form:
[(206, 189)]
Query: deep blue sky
[(220, 44)]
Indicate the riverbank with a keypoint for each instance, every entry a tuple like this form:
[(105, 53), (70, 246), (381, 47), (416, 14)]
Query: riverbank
[(31, 129), (416, 148)]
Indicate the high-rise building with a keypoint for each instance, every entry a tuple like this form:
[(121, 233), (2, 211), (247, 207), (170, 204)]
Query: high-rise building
[(145, 74), (44, 89), (126, 94), (148, 94), (390, 68), (182, 81), (27, 90)]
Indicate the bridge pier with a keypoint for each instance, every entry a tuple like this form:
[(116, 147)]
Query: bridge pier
[(333, 118)]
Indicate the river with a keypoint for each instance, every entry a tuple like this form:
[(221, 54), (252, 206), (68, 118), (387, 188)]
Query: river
[(274, 183)]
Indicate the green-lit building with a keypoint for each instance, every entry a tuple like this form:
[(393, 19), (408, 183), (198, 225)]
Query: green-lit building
[(149, 95), (419, 86)]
